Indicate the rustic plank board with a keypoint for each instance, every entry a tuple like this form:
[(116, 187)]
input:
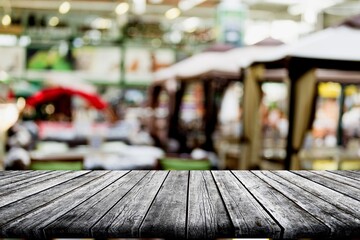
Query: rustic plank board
[(179, 204), (354, 171), (6, 174), (166, 217), (331, 183), (340, 178), (348, 174), (295, 220), (207, 214), (127, 215), (19, 177), (247, 215), (78, 221), (32, 224), (26, 205), (345, 203), (26, 191), (340, 223), (21, 182)]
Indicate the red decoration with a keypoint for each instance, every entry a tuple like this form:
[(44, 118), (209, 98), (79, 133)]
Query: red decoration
[(49, 94)]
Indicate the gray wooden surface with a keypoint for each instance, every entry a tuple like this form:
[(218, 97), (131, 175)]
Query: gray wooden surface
[(180, 204)]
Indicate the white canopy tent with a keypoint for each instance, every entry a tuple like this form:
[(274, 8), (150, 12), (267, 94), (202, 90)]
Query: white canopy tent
[(235, 64), (335, 48), (229, 62)]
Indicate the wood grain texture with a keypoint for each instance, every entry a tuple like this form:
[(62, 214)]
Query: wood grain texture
[(340, 223), (31, 225), (127, 215), (78, 221), (26, 191), (340, 178), (331, 183), (247, 215), (179, 204), (166, 217), (22, 181), (12, 172), (339, 200), (6, 174), (26, 205), (349, 174), (207, 215), (295, 220)]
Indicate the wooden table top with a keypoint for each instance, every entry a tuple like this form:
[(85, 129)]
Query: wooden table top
[(179, 204)]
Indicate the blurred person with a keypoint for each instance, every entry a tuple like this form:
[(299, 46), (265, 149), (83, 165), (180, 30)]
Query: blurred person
[(17, 159), (22, 137), (351, 122), (326, 119)]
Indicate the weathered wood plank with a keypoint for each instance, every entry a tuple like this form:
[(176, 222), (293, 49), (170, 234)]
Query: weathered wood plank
[(32, 224), (340, 223), (21, 182), (354, 171), (126, 216), (247, 215), (26, 205), (167, 215), (207, 215), (331, 183), (179, 204), (19, 177), (78, 221), (345, 203), (349, 174), (6, 174), (340, 178), (23, 192), (295, 220)]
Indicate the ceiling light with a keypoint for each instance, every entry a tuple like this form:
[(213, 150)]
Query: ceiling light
[(64, 7), (6, 20), (54, 21), (139, 6), (122, 8), (172, 13)]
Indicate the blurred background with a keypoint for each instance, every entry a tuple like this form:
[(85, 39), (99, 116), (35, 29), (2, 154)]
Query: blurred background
[(187, 84)]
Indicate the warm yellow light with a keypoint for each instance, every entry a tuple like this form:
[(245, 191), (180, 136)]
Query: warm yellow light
[(54, 21), (101, 23), (9, 114), (329, 90), (155, 1), (6, 20), (122, 8), (64, 7), (172, 13), (50, 109)]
